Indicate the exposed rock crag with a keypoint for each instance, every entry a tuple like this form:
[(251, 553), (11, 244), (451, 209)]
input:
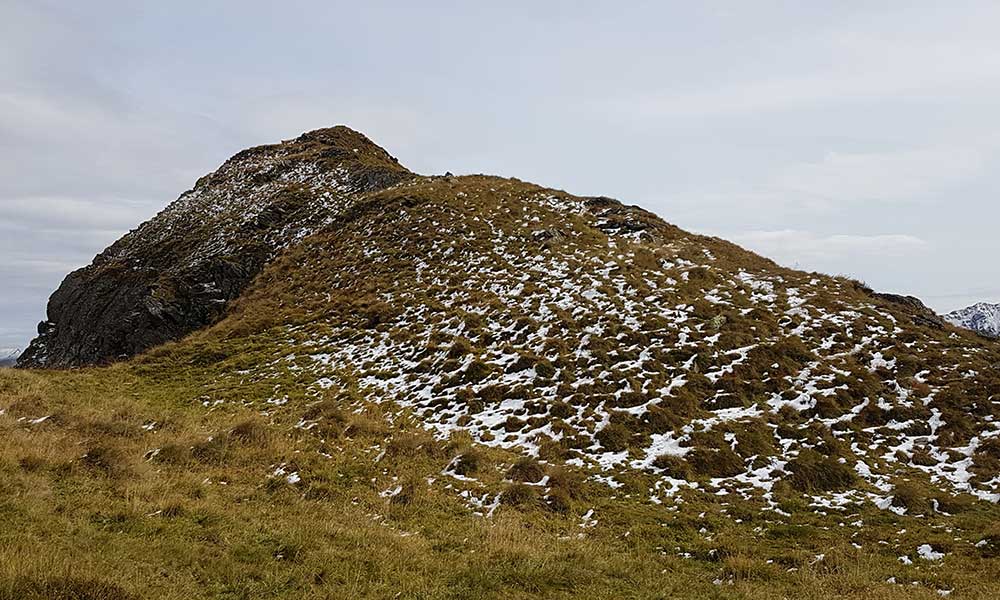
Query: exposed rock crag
[(177, 272)]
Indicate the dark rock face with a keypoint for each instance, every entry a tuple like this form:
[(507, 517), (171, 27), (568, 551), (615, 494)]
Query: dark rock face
[(917, 310), (177, 272)]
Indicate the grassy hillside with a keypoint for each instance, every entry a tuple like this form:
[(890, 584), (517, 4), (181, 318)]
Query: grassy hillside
[(477, 388), (153, 481)]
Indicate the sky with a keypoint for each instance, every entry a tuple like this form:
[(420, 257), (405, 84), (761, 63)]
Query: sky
[(852, 138)]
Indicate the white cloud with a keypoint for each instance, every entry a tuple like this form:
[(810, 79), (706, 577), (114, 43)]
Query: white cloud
[(843, 67), (862, 185), (902, 176), (810, 250), (59, 213)]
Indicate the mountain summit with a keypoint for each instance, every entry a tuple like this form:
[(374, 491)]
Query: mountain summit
[(982, 318), (178, 271)]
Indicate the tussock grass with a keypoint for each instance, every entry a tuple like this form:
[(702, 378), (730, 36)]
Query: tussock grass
[(812, 472), (108, 527)]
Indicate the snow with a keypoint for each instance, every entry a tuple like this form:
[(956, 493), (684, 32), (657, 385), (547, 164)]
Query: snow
[(926, 552), (620, 327), (982, 318)]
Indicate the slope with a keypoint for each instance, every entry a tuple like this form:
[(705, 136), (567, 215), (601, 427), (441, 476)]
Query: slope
[(593, 334)]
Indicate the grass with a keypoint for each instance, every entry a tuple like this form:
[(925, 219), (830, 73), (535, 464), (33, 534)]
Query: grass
[(93, 515), (813, 472)]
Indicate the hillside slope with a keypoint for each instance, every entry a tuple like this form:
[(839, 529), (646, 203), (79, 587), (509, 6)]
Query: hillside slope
[(475, 387), (586, 332)]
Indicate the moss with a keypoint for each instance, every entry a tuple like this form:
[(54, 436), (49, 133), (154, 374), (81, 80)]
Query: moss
[(460, 348), (989, 545), (411, 490), (559, 501), (568, 482), (561, 410), (211, 451), (326, 288), (544, 369), (911, 496), (491, 394), (986, 460), (106, 460), (61, 588), (477, 371), (661, 419), (31, 464), (410, 445), (512, 424), (674, 466), (922, 456), (952, 504), (252, 432), (754, 438), (172, 453)]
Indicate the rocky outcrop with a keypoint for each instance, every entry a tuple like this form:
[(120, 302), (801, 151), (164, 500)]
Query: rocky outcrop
[(918, 311), (177, 272), (914, 307)]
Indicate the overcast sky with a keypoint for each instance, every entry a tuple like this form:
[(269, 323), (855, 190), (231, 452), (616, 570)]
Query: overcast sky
[(854, 138)]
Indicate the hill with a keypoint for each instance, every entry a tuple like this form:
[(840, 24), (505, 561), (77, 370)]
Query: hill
[(477, 387)]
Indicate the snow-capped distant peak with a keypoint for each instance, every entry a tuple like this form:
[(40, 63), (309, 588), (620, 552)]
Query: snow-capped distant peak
[(983, 318)]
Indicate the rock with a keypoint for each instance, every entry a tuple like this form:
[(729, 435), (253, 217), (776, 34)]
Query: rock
[(914, 307), (177, 272)]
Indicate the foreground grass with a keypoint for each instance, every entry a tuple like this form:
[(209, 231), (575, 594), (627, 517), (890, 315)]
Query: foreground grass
[(156, 481)]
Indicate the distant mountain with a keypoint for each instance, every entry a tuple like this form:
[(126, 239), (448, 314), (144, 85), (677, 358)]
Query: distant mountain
[(982, 318), (8, 357)]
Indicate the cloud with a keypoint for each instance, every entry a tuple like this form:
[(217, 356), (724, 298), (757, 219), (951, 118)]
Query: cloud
[(810, 250), (75, 214), (840, 67), (903, 176), (848, 187)]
